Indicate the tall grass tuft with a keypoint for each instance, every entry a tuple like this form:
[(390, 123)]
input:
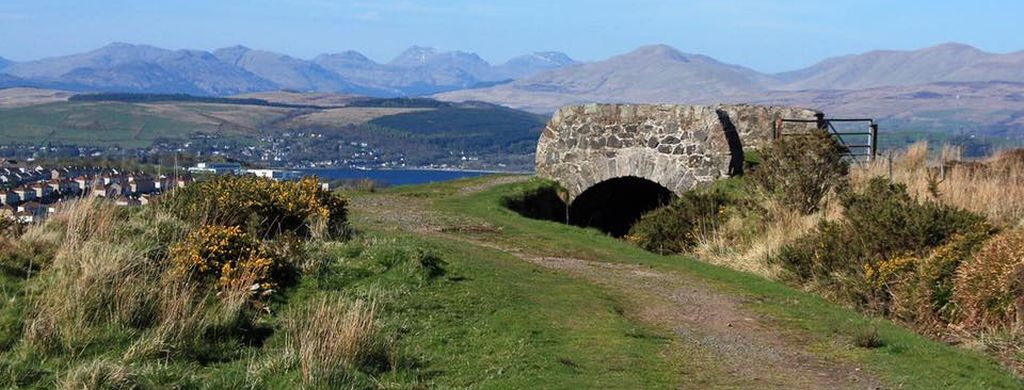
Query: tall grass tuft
[(332, 337), (100, 374), (97, 284)]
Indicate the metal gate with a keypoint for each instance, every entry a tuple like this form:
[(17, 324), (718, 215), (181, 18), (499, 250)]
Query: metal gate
[(859, 143)]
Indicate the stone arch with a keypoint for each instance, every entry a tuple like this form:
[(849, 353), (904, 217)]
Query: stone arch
[(614, 205), (677, 146)]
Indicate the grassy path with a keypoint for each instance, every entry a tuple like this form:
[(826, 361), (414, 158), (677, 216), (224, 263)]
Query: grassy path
[(715, 327)]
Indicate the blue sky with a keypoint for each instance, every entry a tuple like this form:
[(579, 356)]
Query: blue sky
[(765, 35)]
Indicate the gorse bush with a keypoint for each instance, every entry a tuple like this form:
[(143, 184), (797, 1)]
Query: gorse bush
[(800, 170), (267, 208), (229, 255), (678, 226), (989, 289), (882, 238), (924, 297)]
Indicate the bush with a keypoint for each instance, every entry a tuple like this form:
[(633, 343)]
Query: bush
[(925, 296), (267, 208), (800, 170), (228, 255), (882, 238), (989, 289), (677, 227)]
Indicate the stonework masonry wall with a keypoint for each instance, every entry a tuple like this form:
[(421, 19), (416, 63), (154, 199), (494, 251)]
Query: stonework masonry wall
[(677, 146)]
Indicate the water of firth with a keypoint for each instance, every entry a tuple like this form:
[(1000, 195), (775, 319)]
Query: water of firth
[(394, 177)]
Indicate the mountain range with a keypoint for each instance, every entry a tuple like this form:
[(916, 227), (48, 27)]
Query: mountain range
[(121, 67), (943, 86), (662, 74)]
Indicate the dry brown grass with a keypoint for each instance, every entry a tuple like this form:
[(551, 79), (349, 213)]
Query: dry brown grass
[(91, 280), (993, 187), (990, 287), (332, 336), (748, 244), (100, 374), (95, 284)]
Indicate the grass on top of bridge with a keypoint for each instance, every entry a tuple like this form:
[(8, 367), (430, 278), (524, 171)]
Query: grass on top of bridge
[(905, 359)]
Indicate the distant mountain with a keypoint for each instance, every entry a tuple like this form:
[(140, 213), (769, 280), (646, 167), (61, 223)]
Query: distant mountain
[(141, 68), (8, 81), (530, 64), (121, 67), (290, 73), (424, 70), (947, 62), (540, 82), (991, 108), (661, 74), (653, 74)]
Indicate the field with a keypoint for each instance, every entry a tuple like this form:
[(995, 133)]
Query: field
[(125, 124)]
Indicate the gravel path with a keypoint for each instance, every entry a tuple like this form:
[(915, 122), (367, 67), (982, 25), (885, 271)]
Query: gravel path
[(718, 342)]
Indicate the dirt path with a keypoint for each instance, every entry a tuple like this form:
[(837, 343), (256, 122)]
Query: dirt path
[(718, 342)]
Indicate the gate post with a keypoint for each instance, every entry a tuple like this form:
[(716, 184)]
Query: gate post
[(874, 142), (820, 119)]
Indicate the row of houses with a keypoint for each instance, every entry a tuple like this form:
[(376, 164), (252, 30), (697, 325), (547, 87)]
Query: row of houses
[(14, 176), (31, 201)]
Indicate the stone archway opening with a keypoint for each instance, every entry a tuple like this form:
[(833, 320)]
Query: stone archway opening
[(614, 205)]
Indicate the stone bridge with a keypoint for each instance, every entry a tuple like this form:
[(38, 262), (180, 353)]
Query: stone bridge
[(627, 159)]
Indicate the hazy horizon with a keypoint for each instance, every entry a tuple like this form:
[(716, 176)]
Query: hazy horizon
[(765, 36)]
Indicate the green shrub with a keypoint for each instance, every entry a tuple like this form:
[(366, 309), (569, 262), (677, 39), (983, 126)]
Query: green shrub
[(267, 208), (800, 170), (868, 337), (677, 227), (879, 245)]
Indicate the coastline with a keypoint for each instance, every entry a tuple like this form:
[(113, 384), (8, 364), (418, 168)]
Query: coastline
[(428, 169)]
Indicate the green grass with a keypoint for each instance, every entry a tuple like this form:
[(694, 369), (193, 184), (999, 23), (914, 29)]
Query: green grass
[(906, 359), (497, 322)]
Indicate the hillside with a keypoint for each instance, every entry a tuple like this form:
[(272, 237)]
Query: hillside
[(949, 62), (288, 127), (986, 109), (139, 68)]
